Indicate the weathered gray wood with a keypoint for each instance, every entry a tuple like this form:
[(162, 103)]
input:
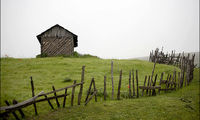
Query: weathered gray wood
[(14, 114), (144, 84), (95, 96), (104, 92), (81, 86), (73, 91), (129, 84), (89, 90), (161, 78), (33, 94), (112, 80), (137, 83), (20, 110), (58, 104), (148, 85), (90, 98), (64, 100), (133, 83), (154, 83), (119, 85)]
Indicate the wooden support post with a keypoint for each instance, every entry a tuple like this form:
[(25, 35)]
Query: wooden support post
[(73, 91), (58, 104), (20, 110), (95, 96), (112, 80), (104, 92), (137, 84), (161, 78), (14, 114), (148, 85), (49, 101), (89, 90), (129, 84), (154, 83), (154, 66), (144, 85), (81, 86), (64, 101), (90, 98), (119, 85), (133, 84), (33, 94)]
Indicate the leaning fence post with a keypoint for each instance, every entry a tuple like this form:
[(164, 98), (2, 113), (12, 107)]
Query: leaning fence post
[(144, 84), (65, 98), (104, 92), (133, 83), (119, 85), (81, 86), (148, 85), (137, 84), (129, 84), (95, 96), (161, 78), (55, 96), (14, 114), (33, 94), (88, 93), (20, 110), (154, 83), (73, 91)]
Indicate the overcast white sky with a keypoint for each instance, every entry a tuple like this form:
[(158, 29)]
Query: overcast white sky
[(106, 28)]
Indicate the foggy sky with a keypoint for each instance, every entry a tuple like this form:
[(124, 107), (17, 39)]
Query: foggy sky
[(105, 28)]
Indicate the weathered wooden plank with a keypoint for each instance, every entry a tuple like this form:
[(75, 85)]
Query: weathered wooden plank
[(119, 85), (73, 91), (33, 94), (81, 86)]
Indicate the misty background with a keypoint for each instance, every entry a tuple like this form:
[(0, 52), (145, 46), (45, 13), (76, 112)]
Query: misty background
[(118, 29)]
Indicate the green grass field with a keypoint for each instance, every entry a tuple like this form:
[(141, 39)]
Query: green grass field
[(15, 84)]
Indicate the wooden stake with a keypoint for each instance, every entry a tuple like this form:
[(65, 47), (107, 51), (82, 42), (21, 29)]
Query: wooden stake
[(33, 94), (154, 83), (20, 110), (81, 87), (144, 84), (14, 114), (137, 84), (88, 93), (133, 83), (148, 85), (56, 96), (161, 78), (64, 101), (119, 85), (73, 91)]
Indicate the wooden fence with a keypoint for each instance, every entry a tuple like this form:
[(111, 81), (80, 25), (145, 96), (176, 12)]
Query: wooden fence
[(171, 83)]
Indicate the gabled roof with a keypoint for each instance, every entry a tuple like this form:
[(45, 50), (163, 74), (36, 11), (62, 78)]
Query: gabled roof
[(74, 35)]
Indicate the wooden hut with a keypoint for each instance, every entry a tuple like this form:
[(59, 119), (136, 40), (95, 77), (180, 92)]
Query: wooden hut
[(57, 41)]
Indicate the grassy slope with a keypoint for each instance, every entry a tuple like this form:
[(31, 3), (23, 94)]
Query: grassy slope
[(15, 84)]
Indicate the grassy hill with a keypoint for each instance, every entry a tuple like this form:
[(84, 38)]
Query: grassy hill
[(15, 84)]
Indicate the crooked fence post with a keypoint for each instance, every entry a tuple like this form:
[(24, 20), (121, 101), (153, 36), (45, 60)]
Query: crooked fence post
[(14, 114), (81, 86), (133, 83), (148, 85), (88, 93), (73, 91), (33, 94), (20, 110), (144, 84), (119, 85), (161, 78), (55, 96), (154, 83), (65, 98), (137, 84)]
